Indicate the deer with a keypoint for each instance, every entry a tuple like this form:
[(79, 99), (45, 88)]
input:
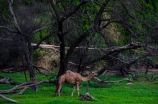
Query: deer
[(72, 78)]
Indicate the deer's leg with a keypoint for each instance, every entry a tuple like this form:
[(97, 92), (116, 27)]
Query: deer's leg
[(61, 91), (60, 86), (78, 88), (73, 89), (56, 90)]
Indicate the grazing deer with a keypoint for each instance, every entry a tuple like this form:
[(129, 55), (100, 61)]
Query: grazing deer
[(72, 78)]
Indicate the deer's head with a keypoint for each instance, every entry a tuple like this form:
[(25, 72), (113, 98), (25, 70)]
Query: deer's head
[(93, 74)]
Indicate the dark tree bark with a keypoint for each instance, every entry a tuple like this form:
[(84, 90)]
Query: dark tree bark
[(60, 21)]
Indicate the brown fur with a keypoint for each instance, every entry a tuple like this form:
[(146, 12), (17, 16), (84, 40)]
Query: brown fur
[(72, 78)]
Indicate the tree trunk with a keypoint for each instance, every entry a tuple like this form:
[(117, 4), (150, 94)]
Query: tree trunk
[(30, 69), (63, 64), (28, 57), (147, 66)]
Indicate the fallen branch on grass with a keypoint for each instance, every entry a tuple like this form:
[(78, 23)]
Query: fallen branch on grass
[(8, 81), (125, 79), (149, 79), (23, 86), (8, 99)]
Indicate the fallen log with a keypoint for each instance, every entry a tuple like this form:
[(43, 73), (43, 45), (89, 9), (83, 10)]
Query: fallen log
[(23, 86), (125, 79), (8, 99)]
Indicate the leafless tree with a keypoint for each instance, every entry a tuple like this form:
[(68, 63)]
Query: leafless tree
[(20, 33)]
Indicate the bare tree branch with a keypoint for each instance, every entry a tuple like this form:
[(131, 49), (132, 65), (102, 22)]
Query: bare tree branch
[(8, 99), (13, 15), (75, 10), (147, 10), (44, 38), (23, 86), (117, 49), (55, 9), (100, 81), (41, 28), (3, 27)]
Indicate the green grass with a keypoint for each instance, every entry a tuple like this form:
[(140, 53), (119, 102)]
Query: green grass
[(117, 93)]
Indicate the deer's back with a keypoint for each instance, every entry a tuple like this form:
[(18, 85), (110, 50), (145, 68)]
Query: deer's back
[(71, 77)]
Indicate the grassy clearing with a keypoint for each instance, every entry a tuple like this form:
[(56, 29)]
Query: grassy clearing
[(117, 93)]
